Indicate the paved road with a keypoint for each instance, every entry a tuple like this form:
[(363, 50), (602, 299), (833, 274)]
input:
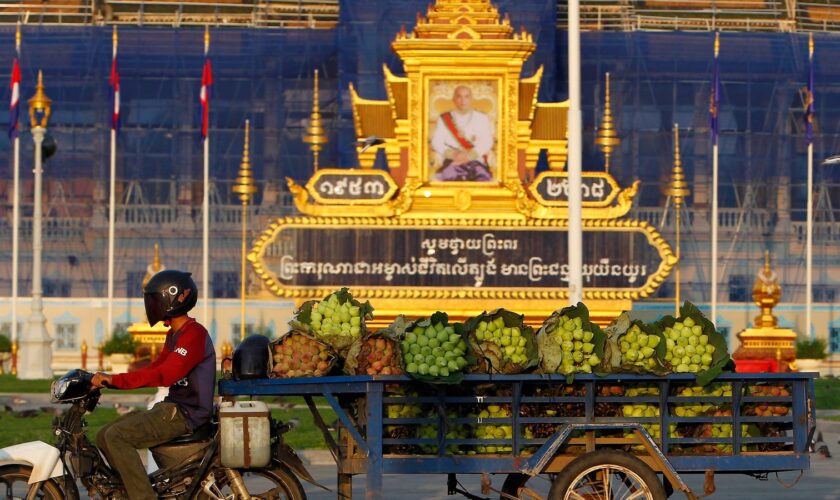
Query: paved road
[(822, 482)]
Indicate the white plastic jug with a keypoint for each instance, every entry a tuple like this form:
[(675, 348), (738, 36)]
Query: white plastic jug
[(246, 437)]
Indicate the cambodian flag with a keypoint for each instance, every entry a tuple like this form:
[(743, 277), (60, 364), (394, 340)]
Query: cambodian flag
[(115, 90), (14, 102), (206, 82), (809, 94)]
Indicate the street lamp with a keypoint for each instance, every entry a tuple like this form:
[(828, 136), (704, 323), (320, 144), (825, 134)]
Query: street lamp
[(35, 350)]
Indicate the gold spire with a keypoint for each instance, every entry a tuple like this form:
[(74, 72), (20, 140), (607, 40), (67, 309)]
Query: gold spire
[(607, 136), (811, 45), (206, 39), (244, 185), (678, 187), (39, 104), (155, 267), (17, 38), (766, 294), (677, 190), (717, 43), (315, 135), (115, 38)]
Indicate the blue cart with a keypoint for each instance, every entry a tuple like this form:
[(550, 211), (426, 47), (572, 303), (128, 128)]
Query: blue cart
[(589, 434)]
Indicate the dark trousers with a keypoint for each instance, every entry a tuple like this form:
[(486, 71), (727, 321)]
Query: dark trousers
[(121, 439)]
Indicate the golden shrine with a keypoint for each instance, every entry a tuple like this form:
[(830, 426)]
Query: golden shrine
[(462, 132), (766, 340)]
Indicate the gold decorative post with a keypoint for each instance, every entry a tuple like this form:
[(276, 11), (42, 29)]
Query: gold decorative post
[(607, 136), (14, 357), (84, 354), (227, 349), (315, 135), (245, 188), (677, 190)]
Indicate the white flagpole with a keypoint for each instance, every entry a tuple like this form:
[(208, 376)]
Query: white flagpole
[(809, 244), (715, 196), (205, 264), (575, 158), (809, 225), (112, 211), (16, 213)]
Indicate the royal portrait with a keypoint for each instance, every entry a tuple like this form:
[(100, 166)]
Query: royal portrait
[(462, 135)]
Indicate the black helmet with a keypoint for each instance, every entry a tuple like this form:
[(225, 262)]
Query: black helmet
[(168, 294), (250, 359), (73, 385)]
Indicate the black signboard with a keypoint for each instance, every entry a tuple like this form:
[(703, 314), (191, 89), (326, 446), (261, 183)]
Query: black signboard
[(347, 185), (555, 188), (369, 256)]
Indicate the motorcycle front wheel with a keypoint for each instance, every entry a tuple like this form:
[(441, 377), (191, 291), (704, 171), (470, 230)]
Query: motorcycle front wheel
[(271, 483), (14, 481)]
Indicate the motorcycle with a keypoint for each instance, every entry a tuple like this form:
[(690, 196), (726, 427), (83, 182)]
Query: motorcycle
[(190, 466)]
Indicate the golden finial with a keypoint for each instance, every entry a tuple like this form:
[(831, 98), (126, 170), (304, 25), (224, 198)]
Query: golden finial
[(717, 43), (811, 45), (607, 136), (244, 184), (155, 267), (678, 187), (766, 294), (206, 39), (115, 38), (17, 38), (316, 137), (39, 105)]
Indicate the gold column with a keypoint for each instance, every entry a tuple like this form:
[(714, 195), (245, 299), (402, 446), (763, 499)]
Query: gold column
[(84, 354), (607, 136), (315, 135), (677, 190), (245, 188)]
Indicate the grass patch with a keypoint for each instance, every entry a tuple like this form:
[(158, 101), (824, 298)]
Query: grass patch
[(827, 393), (15, 430)]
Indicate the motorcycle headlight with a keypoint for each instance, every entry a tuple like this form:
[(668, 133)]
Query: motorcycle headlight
[(58, 388)]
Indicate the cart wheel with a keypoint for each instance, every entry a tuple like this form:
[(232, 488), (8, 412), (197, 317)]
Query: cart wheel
[(607, 475)]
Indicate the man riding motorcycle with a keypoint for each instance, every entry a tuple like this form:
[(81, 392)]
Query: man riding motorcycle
[(187, 365)]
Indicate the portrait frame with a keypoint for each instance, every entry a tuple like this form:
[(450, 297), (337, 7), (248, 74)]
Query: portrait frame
[(487, 110)]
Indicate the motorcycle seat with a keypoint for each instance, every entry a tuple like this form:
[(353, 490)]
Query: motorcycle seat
[(205, 431)]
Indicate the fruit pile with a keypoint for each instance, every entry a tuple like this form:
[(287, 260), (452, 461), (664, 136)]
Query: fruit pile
[(688, 348), (639, 348), (331, 317), (494, 431), (298, 355), (401, 411), (502, 342), (701, 409), (558, 410), (453, 431), (376, 355), (768, 409), (433, 348), (577, 345)]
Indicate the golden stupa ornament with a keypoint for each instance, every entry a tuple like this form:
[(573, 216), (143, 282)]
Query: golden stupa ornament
[(766, 294), (245, 188), (315, 135), (766, 340), (678, 191), (607, 138), (153, 268)]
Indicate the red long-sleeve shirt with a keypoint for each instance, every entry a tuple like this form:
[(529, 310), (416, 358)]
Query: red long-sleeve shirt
[(187, 365)]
